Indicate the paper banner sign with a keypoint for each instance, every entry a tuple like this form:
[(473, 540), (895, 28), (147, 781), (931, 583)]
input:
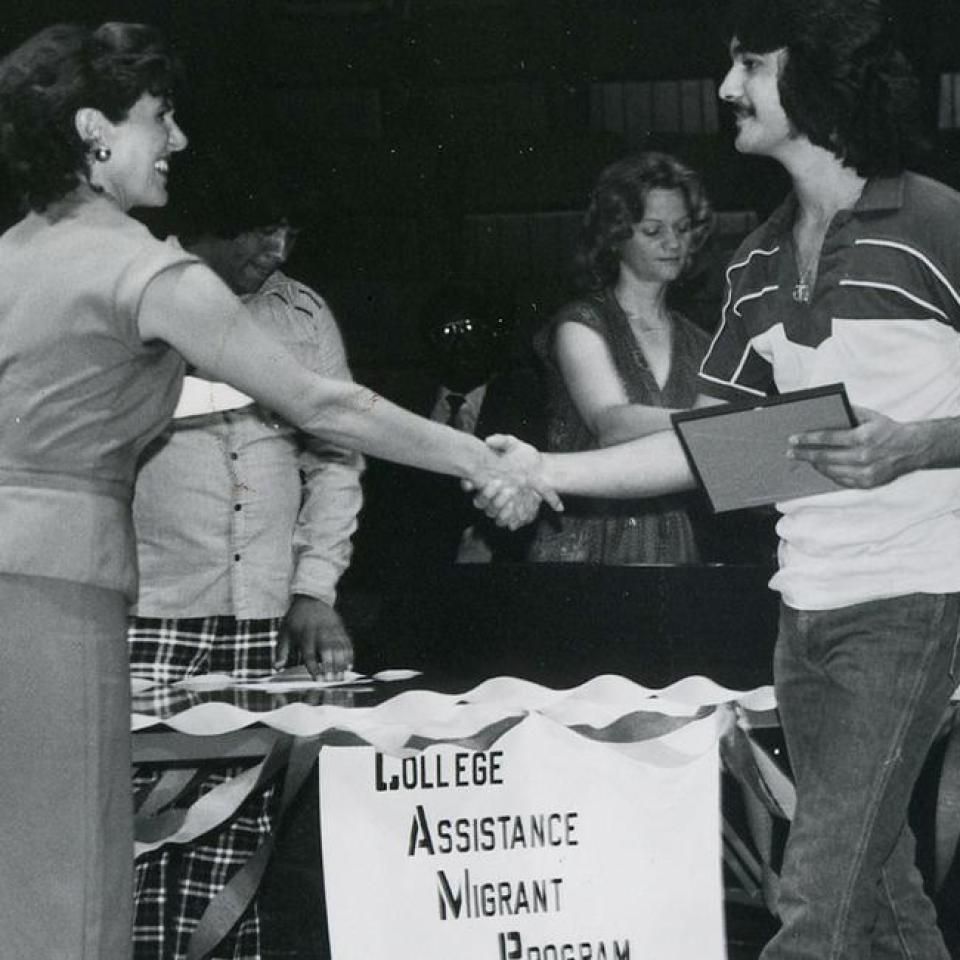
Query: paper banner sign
[(548, 845)]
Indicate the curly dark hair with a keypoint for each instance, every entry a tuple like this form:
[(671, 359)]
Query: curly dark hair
[(46, 80), (845, 84), (218, 197), (617, 202)]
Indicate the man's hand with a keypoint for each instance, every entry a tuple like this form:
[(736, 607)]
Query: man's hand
[(512, 494), (871, 454), (314, 629)]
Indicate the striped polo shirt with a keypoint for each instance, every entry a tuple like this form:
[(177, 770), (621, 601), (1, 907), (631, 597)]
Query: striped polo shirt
[(884, 319)]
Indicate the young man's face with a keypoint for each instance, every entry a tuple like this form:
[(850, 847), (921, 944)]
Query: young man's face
[(750, 87), (250, 257)]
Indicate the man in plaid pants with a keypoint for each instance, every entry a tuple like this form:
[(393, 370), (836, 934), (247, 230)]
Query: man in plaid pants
[(243, 530)]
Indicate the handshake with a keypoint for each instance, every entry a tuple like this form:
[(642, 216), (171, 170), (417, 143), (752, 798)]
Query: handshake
[(511, 483)]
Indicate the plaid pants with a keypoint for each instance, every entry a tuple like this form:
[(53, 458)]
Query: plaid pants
[(175, 884)]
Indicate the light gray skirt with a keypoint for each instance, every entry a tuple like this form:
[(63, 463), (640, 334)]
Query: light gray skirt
[(66, 813)]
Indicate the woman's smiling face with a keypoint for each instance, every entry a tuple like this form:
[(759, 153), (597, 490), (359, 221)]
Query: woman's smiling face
[(135, 174)]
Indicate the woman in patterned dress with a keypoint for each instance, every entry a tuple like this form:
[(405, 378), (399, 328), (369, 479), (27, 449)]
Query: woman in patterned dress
[(619, 359)]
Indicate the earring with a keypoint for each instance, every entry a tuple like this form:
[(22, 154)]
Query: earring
[(101, 153)]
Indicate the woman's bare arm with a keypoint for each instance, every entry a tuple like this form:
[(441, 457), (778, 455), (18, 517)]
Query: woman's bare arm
[(195, 312), (595, 387)]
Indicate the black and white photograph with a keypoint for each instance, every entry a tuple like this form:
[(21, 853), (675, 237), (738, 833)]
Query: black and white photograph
[(480, 480)]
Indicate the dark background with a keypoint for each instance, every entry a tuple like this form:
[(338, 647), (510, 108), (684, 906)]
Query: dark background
[(436, 140), (430, 140)]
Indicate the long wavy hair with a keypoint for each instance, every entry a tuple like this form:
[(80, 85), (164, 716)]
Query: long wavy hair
[(845, 83), (617, 202), (46, 80)]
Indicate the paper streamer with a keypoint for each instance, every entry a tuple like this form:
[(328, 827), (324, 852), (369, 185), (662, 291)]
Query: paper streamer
[(607, 707)]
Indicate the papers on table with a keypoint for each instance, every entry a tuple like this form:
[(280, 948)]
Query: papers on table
[(284, 681)]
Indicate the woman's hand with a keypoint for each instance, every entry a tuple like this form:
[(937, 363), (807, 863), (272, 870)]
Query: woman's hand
[(512, 491)]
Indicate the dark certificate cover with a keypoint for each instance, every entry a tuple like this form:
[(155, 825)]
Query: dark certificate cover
[(739, 450)]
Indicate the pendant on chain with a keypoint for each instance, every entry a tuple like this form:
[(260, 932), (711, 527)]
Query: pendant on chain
[(801, 291)]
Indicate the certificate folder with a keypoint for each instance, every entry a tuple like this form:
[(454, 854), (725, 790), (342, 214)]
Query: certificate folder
[(738, 451)]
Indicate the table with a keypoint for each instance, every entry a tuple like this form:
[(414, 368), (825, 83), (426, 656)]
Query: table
[(394, 719), (561, 625)]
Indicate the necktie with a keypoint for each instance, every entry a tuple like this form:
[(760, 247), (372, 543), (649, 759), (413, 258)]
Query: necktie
[(454, 401)]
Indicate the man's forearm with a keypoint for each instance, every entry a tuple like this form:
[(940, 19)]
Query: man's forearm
[(935, 443), (332, 499), (648, 467)]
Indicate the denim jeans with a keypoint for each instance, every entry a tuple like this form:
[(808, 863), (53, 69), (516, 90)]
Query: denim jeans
[(861, 691)]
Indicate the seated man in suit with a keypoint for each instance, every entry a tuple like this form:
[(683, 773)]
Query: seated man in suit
[(473, 377)]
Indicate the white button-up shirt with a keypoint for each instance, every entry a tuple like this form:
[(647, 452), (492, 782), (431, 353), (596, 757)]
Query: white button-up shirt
[(236, 510)]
